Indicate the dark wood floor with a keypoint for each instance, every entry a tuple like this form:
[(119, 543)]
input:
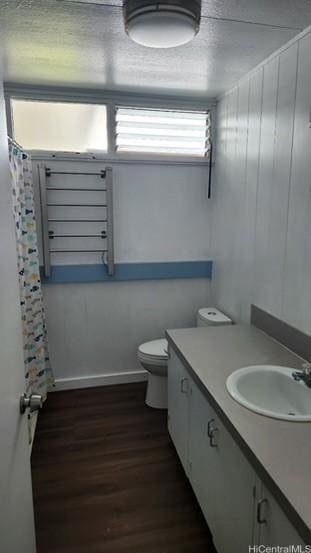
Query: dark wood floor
[(106, 478)]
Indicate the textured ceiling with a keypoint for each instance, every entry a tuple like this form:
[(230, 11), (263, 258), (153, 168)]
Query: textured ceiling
[(72, 43)]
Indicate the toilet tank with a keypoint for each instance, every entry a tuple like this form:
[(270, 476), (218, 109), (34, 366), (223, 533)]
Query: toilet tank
[(210, 316)]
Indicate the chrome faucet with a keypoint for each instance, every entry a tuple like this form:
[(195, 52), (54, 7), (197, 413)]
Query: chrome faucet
[(304, 374)]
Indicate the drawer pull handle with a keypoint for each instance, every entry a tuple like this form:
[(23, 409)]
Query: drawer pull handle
[(260, 518), (184, 385), (212, 437), (209, 427)]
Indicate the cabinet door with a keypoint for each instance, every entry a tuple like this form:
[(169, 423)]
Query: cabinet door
[(222, 478), (272, 526), (178, 406), (202, 461)]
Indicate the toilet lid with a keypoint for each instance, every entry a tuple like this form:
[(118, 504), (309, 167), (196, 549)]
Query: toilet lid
[(213, 316), (155, 348)]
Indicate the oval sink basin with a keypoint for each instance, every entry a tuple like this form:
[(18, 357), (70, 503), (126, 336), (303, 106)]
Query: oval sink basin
[(271, 391)]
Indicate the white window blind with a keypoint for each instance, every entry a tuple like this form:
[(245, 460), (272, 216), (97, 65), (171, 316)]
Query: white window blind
[(158, 131)]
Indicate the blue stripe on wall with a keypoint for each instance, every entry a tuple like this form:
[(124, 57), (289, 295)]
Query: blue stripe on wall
[(129, 271)]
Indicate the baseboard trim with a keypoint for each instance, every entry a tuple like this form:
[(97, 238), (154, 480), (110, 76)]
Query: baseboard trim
[(92, 381)]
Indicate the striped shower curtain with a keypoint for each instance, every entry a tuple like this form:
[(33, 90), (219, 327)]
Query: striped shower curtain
[(38, 372)]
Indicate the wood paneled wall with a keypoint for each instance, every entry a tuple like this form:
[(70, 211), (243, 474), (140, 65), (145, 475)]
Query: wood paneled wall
[(262, 198)]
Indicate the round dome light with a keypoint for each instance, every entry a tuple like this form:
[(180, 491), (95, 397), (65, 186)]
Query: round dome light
[(162, 25)]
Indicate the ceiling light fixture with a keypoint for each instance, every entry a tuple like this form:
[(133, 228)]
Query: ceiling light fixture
[(162, 24)]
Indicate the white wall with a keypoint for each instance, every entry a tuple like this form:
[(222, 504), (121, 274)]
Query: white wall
[(262, 200), (95, 329), (161, 213)]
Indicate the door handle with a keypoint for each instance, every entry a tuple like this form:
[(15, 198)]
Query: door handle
[(260, 518), (34, 403), (184, 385)]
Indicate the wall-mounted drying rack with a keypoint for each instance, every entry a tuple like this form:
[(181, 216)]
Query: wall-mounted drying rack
[(45, 176)]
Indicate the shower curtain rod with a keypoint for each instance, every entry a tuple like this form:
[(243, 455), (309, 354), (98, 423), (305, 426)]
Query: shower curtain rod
[(14, 143)]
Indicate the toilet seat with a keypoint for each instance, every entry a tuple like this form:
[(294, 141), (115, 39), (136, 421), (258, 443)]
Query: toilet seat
[(154, 351)]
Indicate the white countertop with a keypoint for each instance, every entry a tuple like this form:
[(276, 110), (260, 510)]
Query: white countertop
[(279, 450)]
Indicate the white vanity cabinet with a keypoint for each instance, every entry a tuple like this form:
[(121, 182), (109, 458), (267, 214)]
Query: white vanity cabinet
[(222, 478), (178, 407), (272, 527), (238, 508)]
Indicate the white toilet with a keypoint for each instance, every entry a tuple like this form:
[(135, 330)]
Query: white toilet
[(154, 358)]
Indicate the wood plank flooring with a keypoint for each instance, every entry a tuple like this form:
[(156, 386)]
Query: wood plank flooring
[(107, 479)]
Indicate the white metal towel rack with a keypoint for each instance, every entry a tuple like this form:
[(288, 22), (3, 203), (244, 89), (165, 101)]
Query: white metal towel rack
[(107, 252)]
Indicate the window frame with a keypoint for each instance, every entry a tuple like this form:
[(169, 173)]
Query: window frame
[(56, 152), (111, 101)]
